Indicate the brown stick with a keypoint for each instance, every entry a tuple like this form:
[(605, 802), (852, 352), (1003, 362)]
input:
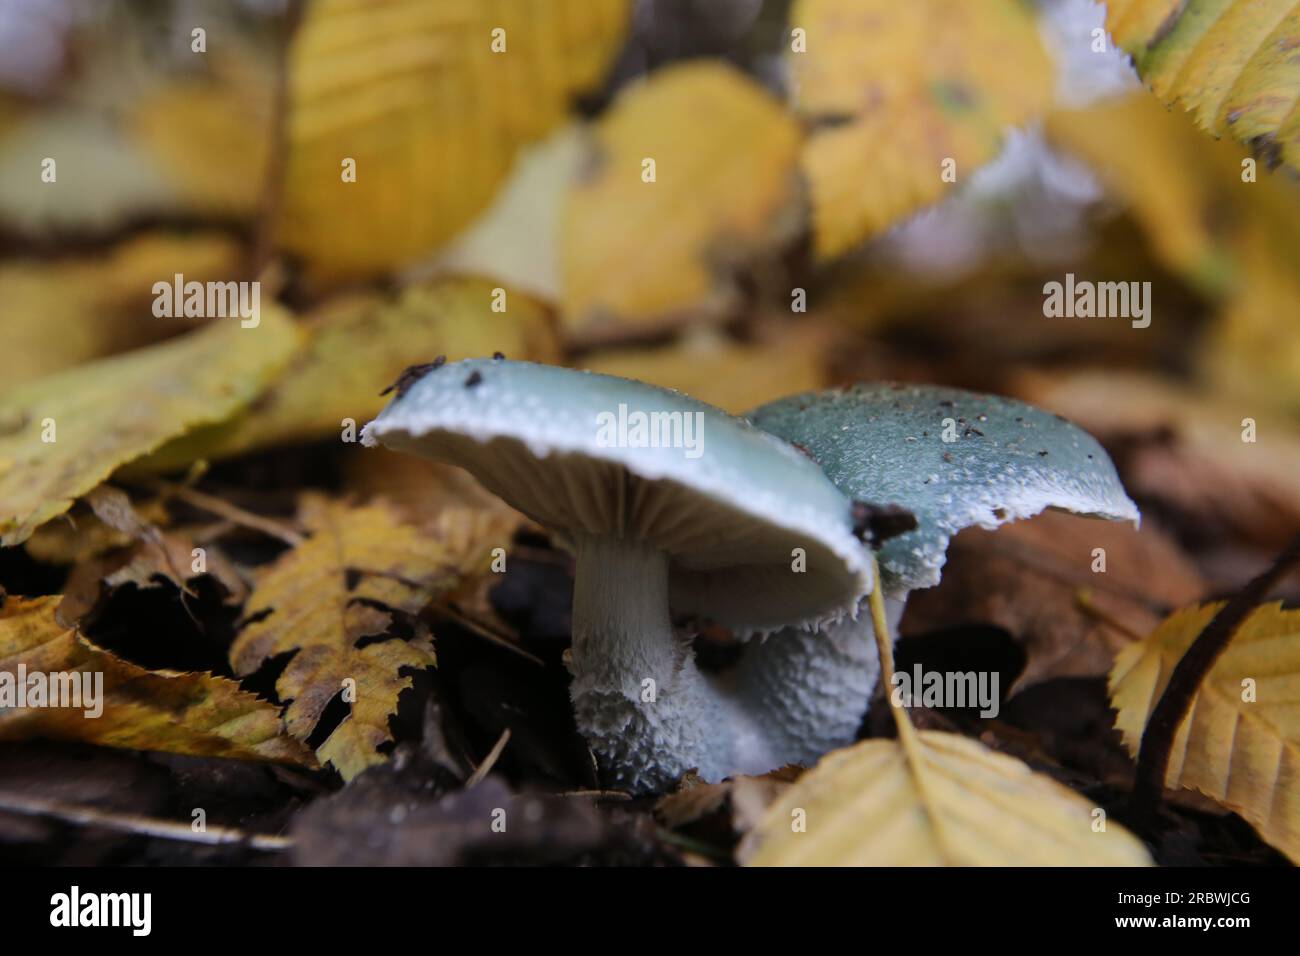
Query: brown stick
[(489, 761), (1172, 708), (139, 825), (233, 513)]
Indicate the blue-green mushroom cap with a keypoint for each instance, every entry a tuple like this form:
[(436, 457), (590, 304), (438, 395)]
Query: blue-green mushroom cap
[(953, 458), (584, 453)]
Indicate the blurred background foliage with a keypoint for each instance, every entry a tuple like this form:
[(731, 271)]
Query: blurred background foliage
[(798, 233)]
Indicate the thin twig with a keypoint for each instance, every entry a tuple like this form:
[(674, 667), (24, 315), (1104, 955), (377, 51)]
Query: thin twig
[(489, 761), (458, 616), (1172, 708), (909, 738), (139, 825), (693, 845), (622, 796), (233, 513), (1088, 605)]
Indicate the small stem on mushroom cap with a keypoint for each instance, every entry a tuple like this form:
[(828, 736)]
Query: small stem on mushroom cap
[(908, 736)]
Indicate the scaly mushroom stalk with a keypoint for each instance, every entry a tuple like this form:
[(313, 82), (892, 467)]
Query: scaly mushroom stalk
[(646, 711), (650, 715), (952, 459), (810, 689)]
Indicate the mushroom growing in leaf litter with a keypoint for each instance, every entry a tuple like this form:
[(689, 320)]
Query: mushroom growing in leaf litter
[(952, 459), (666, 503)]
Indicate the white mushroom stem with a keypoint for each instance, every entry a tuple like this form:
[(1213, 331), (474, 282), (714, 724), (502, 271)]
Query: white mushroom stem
[(649, 714)]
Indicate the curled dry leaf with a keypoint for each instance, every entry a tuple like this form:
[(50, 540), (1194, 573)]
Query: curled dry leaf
[(950, 802), (414, 95), (746, 798), (152, 555), (185, 713), (1240, 743), (899, 89), (362, 568), (171, 557), (80, 535), (638, 252), (64, 434)]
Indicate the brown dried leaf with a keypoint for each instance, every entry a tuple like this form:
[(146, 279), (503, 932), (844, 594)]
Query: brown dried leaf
[(1185, 450), (747, 798), (1026, 578)]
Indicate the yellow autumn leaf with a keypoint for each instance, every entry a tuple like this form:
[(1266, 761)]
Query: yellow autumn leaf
[(356, 346), (929, 798), (642, 242), (1178, 186), (212, 136), (66, 311), (10, 110), (361, 566), (186, 713), (1146, 158), (734, 376), (1240, 744), (1230, 63), (414, 94), (901, 89), (1251, 349), (62, 435), (961, 804)]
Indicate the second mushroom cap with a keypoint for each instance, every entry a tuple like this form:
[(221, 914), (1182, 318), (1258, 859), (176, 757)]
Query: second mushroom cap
[(953, 458)]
